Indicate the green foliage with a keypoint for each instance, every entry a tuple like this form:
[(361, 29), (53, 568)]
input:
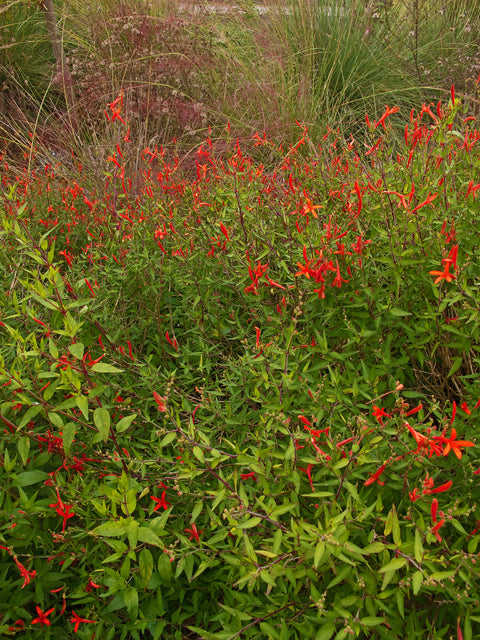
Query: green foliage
[(243, 403)]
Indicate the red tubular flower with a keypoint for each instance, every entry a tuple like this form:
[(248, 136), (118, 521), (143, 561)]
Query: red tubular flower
[(465, 408), (443, 275), (424, 444), (194, 532), (42, 619), (337, 282), (92, 585), (224, 230), (414, 495), (429, 200), (161, 502), (172, 344), (309, 207), (375, 476), (416, 410), (443, 487), (436, 528), (308, 471), (246, 476), (433, 509), (378, 413), (24, 572), (452, 257), (387, 113), (451, 444), (76, 620), (162, 407)]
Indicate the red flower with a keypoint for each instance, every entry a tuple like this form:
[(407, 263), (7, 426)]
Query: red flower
[(26, 575), (246, 476), (455, 445), (378, 413), (77, 620), (337, 282), (92, 585), (62, 510), (17, 626), (387, 113), (172, 344), (428, 487), (309, 207), (452, 257), (375, 476), (161, 502), (162, 407), (42, 617), (424, 444), (194, 532), (414, 495), (305, 421), (308, 471), (443, 275), (416, 410), (465, 408)]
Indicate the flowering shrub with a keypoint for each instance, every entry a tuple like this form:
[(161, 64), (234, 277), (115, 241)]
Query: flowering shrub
[(244, 404)]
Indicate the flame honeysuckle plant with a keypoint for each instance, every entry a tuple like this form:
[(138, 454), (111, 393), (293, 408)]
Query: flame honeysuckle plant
[(244, 403)]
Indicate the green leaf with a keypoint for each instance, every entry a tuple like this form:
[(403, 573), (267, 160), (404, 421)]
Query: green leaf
[(130, 599), (395, 526), (394, 565), (198, 453), (145, 565), (457, 363), (282, 509), (374, 547), (319, 550), (197, 510), (341, 575), (164, 567), (250, 523), (101, 417), (124, 423), (103, 367), (397, 312), (418, 546), (371, 621), (417, 582), (467, 628), (23, 446), (399, 596), (68, 436), (442, 575), (27, 478), (77, 350), (52, 347), (82, 404), (111, 529), (132, 533), (56, 420), (326, 631), (31, 413), (150, 537), (167, 439)]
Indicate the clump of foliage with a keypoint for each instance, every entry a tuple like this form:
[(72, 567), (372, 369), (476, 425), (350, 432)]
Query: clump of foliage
[(244, 402), (185, 69)]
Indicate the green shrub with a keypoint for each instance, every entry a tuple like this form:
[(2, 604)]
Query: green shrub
[(244, 404)]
